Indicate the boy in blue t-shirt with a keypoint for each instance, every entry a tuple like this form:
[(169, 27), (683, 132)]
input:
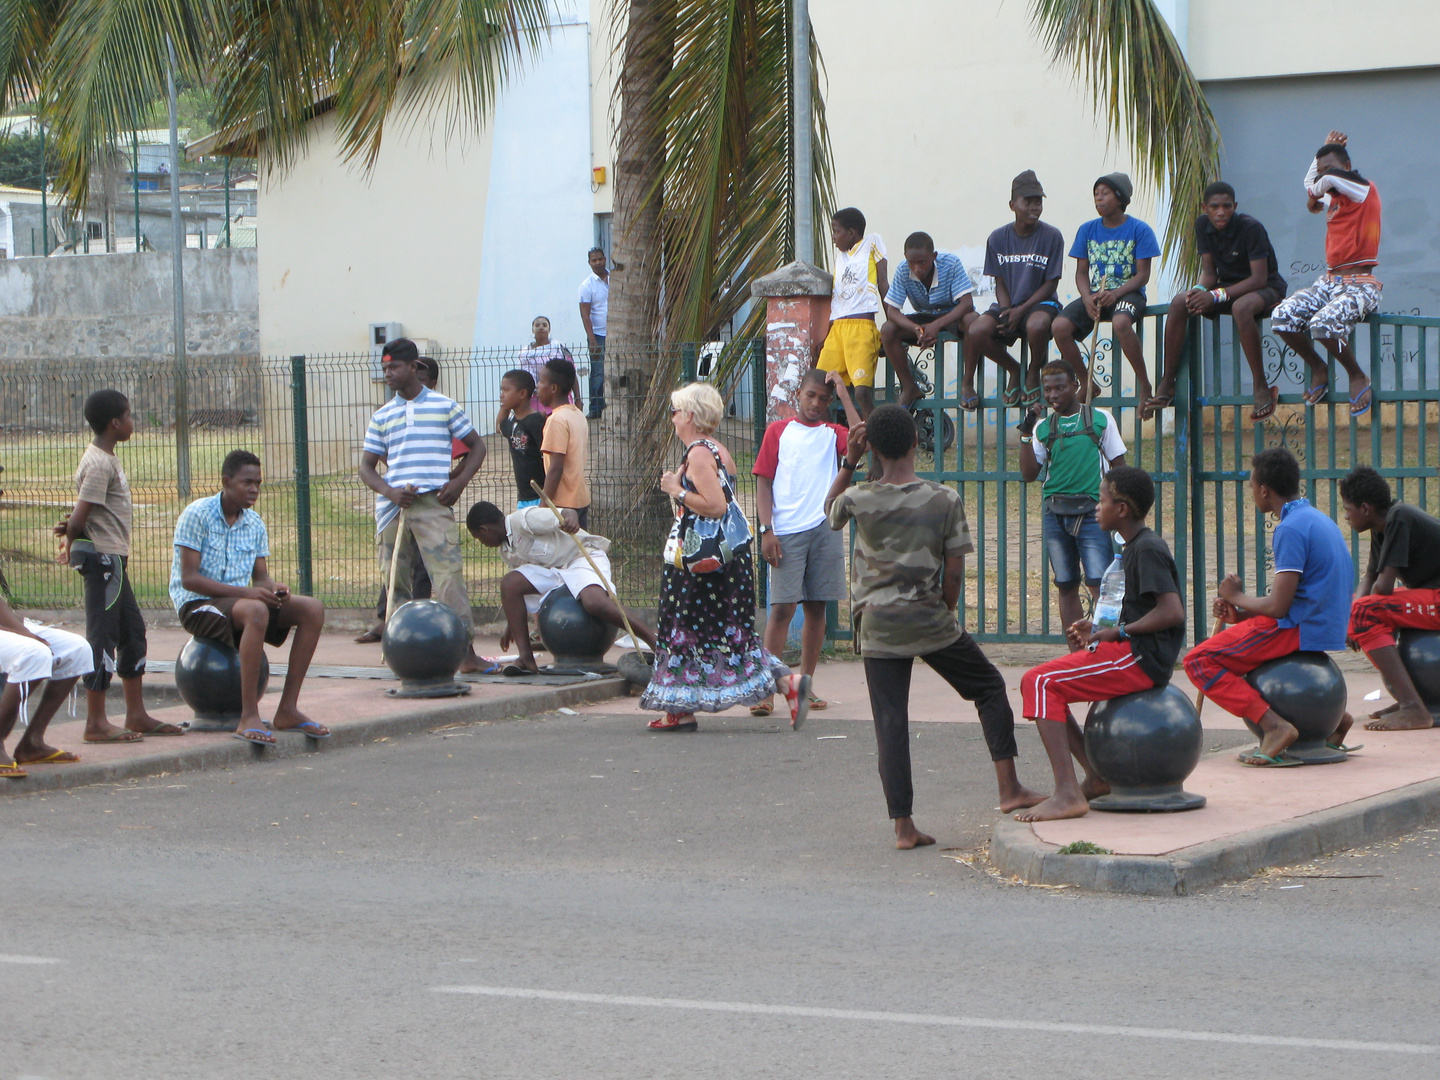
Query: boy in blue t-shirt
[(1308, 608), (1112, 267)]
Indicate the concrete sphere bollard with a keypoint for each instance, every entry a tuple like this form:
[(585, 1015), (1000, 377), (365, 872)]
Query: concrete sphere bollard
[(1307, 689), (1144, 745), (207, 676)]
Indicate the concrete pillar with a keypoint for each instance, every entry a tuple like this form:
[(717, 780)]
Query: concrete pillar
[(797, 315)]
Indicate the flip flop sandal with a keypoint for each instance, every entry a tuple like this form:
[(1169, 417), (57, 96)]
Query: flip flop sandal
[(1345, 749), (818, 704), (369, 637), (10, 770), (763, 708), (1316, 394), (175, 729), (1267, 411), (57, 757), (1256, 760), (248, 736), (123, 735), (1032, 397), (515, 671), (1156, 403), (1014, 396), (971, 403), (672, 722), (1369, 400), (309, 729)]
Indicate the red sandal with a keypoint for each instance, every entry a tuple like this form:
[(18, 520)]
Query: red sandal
[(674, 722), (799, 698)]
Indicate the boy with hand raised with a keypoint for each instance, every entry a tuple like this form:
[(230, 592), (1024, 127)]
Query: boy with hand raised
[(852, 343), (1404, 548), (1308, 608), (95, 540), (911, 539), (1138, 653), (797, 461), (1026, 259), (1112, 267)]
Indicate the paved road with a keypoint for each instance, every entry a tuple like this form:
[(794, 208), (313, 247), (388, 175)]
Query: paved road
[(569, 897)]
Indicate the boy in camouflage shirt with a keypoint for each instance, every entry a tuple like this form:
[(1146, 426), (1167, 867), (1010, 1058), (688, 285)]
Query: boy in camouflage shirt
[(911, 539)]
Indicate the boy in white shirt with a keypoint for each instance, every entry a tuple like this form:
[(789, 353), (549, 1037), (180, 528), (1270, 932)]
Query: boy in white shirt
[(852, 342)]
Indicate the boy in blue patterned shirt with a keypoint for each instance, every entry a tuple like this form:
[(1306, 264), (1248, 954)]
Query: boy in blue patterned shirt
[(222, 589)]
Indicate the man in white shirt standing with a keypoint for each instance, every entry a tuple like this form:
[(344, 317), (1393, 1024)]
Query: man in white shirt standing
[(594, 303), (412, 434)]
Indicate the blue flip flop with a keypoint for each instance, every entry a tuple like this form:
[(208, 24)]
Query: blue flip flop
[(1315, 395), (309, 729), (247, 735), (1369, 400)]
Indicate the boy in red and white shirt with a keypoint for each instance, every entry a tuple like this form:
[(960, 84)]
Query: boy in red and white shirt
[(798, 460), (1347, 291)]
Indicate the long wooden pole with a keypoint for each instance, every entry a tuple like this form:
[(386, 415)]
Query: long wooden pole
[(605, 581)]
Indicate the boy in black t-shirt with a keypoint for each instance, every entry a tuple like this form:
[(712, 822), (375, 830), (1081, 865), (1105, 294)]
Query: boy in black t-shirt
[(1404, 545), (1137, 654), (524, 428), (1238, 277)]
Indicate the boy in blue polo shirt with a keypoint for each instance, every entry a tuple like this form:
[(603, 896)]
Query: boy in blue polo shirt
[(221, 588), (1307, 609), (942, 296), (413, 434)]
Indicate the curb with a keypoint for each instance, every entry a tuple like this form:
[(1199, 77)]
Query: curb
[(1016, 851), (234, 753)]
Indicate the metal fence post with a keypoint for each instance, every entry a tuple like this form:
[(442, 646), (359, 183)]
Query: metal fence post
[(302, 475), (1192, 376), (688, 354)]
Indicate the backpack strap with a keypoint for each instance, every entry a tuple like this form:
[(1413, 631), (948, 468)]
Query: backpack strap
[(1087, 425)]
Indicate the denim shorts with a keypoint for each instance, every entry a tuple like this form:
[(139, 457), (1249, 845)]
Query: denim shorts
[(1093, 547)]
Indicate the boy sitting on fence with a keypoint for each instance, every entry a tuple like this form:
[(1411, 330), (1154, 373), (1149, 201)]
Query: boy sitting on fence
[(1136, 654), (911, 539), (1404, 547), (852, 343), (95, 540), (221, 587), (544, 554), (1074, 445), (31, 652), (1307, 609)]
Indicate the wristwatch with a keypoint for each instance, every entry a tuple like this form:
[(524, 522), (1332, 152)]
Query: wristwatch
[(763, 529)]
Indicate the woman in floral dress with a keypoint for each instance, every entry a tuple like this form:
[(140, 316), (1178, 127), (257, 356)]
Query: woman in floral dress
[(708, 656)]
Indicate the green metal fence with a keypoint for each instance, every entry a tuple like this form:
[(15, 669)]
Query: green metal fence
[(306, 418)]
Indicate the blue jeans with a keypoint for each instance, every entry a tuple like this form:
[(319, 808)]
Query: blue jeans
[(1069, 547), (597, 376)]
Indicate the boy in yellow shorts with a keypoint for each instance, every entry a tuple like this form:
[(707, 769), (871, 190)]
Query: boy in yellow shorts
[(852, 343)]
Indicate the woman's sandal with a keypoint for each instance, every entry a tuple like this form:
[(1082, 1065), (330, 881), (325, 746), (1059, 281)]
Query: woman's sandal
[(763, 708), (674, 722), (799, 698)]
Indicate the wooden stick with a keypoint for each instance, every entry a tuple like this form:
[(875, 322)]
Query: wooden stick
[(394, 562), (1200, 694), (604, 581), (1090, 367)]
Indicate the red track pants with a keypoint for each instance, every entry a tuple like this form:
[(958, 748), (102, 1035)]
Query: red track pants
[(1374, 619), (1219, 663), (1110, 671)]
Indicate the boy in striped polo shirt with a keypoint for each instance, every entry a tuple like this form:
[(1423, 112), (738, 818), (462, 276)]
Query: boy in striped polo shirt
[(412, 434)]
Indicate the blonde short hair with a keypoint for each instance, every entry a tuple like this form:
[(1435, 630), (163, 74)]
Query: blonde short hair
[(704, 404)]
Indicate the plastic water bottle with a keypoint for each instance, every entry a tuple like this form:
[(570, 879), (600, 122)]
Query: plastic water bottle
[(1112, 596)]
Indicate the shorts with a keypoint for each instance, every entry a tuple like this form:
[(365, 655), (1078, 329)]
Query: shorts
[(1270, 297), (525, 504), (1330, 308), (852, 347), (1049, 307), (24, 660), (1131, 304), (812, 566), (1068, 547), (209, 617), (576, 576)]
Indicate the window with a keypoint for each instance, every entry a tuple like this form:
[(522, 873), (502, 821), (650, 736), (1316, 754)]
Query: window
[(94, 230), (602, 233)]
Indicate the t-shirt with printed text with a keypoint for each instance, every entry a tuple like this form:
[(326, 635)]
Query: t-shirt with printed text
[(525, 437), (1078, 464), (100, 481), (1114, 253), (857, 281), (1024, 263), (903, 535), (800, 460), (1411, 544)]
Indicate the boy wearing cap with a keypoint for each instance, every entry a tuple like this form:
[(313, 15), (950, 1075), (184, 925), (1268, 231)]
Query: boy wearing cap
[(1347, 292), (941, 293), (1238, 277), (1026, 259), (1112, 267)]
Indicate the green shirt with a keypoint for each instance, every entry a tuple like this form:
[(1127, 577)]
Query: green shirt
[(1078, 465)]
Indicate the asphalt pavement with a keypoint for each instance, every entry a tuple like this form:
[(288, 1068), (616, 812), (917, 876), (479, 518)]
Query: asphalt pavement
[(572, 897)]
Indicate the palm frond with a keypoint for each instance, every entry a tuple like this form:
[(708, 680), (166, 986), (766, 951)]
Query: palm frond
[(25, 29), (1124, 54)]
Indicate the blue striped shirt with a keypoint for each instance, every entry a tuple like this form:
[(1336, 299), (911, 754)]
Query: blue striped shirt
[(413, 437), (948, 283), (227, 552)]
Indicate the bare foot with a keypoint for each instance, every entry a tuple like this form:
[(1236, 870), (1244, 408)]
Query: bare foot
[(472, 663), (372, 636), (1383, 712), (1055, 808), (1401, 718), (1094, 787), (1337, 737), (1020, 798), (907, 836), (146, 724), (287, 719)]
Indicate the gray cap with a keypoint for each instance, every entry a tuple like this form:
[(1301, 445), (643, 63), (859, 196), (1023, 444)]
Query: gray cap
[(1026, 185), (1119, 183)]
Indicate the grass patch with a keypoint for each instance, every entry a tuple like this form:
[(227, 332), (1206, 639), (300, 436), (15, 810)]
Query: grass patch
[(1084, 847)]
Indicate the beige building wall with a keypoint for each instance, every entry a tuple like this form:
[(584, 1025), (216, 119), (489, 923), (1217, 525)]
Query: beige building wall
[(326, 226), (931, 117), (602, 95), (1248, 39)]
